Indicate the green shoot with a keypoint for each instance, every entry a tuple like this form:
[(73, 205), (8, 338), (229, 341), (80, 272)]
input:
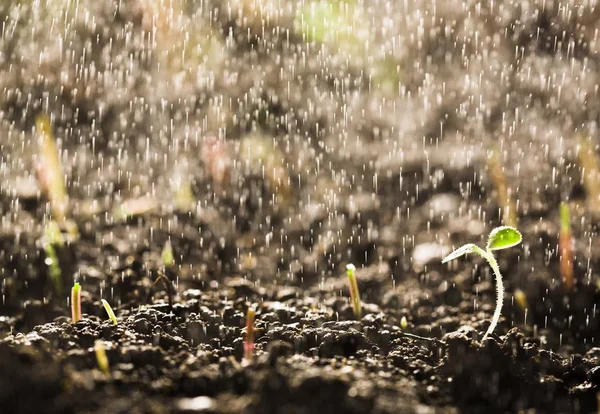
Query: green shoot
[(354, 293), (500, 238), (109, 311), (404, 323), (49, 170), (167, 255), (53, 240), (505, 201), (565, 243), (101, 357), (249, 341), (76, 302)]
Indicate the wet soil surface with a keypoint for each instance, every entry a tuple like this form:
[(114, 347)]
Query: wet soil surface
[(269, 148)]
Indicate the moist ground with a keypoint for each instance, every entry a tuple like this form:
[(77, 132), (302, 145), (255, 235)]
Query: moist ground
[(305, 149)]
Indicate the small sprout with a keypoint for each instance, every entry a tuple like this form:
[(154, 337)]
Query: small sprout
[(249, 341), (565, 243), (109, 311), (76, 302), (167, 255), (500, 238), (101, 358), (588, 161), (53, 240), (403, 323), (505, 201), (49, 170), (354, 293)]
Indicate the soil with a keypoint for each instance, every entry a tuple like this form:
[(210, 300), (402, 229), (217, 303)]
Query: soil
[(270, 150)]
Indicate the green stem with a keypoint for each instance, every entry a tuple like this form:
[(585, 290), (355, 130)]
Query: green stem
[(76, 302), (110, 312), (499, 292)]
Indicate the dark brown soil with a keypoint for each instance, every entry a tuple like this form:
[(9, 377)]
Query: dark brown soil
[(304, 149)]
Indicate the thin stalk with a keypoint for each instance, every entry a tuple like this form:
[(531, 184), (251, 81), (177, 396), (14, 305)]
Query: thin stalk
[(499, 291), (354, 292), (249, 341), (76, 303), (565, 243), (109, 311), (500, 238), (101, 358), (166, 255)]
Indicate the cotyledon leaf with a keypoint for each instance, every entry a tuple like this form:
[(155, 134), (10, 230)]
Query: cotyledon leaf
[(503, 237), (461, 251)]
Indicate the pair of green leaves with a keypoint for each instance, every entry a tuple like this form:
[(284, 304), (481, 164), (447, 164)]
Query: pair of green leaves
[(500, 238)]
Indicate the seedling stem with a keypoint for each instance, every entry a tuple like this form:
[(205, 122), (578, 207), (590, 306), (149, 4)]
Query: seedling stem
[(166, 255), (109, 311), (354, 293), (565, 242), (500, 238), (101, 358), (76, 302), (249, 341)]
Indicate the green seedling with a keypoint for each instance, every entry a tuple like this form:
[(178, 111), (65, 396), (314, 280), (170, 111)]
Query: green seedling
[(500, 238), (166, 255), (53, 240), (76, 302), (354, 293), (49, 170), (505, 201), (565, 246), (249, 341), (109, 311), (404, 323), (101, 357)]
